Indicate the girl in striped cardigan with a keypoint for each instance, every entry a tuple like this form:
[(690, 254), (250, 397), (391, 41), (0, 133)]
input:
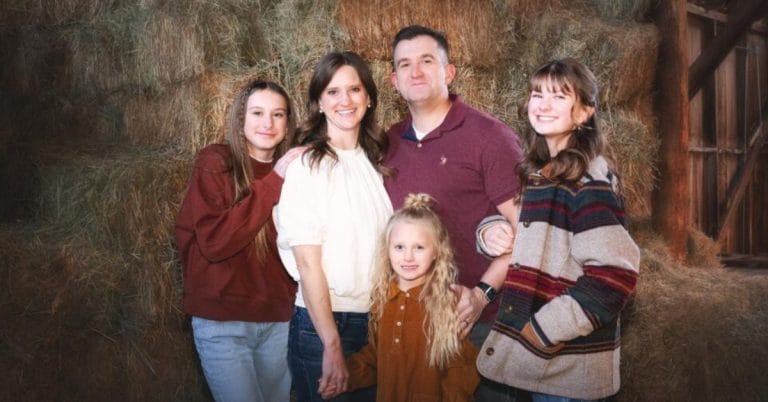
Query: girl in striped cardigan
[(573, 264)]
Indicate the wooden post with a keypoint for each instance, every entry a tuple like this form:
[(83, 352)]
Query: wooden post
[(670, 201)]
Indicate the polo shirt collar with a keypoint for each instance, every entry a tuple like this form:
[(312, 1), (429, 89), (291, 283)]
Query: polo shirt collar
[(453, 119), (394, 291)]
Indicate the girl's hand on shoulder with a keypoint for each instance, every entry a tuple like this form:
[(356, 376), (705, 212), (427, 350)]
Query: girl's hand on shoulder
[(282, 164)]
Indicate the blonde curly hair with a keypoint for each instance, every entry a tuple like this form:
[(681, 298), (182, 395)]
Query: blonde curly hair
[(441, 326)]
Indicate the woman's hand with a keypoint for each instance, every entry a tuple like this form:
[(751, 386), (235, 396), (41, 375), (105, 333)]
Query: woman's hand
[(333, 381), (282, 164)]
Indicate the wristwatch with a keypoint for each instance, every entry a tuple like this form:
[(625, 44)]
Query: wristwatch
[(489, 291)]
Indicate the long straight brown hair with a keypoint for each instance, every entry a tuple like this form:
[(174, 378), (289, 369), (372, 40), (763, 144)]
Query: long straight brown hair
[(242, 169)]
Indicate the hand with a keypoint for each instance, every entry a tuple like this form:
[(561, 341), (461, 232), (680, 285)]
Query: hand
[(282, 164), (335, 375), (530, 335), (499, 238), (471, 304)]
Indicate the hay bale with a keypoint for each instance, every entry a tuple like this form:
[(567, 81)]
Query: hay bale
[(628, 10), (634, 146), (476, 30), (33, 61), (74, 325), (171, 118), (133, 49), (621, 54), (693, 334), (24, 12), (230, 33), (118, 198)]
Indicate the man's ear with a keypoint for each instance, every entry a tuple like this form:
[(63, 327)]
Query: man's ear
[(450, 73), (393, 79)]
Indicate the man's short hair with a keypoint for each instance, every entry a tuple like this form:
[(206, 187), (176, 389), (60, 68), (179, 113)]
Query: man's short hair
[(413, 31)]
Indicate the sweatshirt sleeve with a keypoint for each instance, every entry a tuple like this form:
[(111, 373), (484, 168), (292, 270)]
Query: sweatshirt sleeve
[(461, 377), (610, 262), (362, 367), (223, 229)]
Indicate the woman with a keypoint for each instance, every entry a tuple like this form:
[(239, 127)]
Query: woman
[(573, 264), (332, 209), (235, 287)]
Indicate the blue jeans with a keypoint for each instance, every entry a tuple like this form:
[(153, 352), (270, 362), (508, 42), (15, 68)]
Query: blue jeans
[(244, 361), (537, 397), (305, 353)]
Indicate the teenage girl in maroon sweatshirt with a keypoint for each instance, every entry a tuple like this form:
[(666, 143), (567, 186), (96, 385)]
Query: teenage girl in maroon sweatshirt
[(235, 287)]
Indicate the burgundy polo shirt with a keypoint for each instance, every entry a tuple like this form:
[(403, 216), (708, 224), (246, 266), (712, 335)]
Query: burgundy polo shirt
[(468, 165)]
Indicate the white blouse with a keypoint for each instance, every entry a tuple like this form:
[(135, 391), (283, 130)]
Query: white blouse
[(343, 207)]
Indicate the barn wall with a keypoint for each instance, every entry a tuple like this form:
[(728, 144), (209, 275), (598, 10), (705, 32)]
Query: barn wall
[(722, 119)]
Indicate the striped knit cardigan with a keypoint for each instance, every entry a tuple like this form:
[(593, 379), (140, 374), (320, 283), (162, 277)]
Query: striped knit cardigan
[(572, 270)]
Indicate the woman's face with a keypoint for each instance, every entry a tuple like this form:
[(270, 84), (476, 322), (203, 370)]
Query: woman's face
[(265, 124), (554, 114), (344, 102)]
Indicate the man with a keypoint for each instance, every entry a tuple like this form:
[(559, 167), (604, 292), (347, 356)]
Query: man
[(464, 158)]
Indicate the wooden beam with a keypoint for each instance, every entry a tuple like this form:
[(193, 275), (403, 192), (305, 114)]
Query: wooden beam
[(758, 27), (739, 21), (743, 175), (671, 199)]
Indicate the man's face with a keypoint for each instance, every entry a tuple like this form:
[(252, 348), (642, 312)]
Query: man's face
[(422, 72)]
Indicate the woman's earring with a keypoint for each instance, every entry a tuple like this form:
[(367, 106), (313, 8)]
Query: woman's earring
[(369, 106)]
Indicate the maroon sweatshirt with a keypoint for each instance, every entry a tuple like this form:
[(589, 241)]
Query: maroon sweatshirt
[(223, 277)]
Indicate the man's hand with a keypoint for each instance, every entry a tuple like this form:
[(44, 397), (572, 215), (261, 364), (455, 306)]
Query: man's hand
[(470, 306)]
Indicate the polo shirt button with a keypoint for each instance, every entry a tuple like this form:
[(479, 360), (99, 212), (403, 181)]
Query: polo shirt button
[(397, 340), (402, 307), (418, 145), (489, 351), (398, 323)]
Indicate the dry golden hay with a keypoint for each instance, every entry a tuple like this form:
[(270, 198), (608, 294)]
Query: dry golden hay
[(119, 198), (634, 148), (58, 12), (703, 251), (694, 334), (476, 31), (634, 10), (32, 61), (392, 107), (621, 54), (174, 117), (492, 92), (230, 33), (136, 48), (74, 325)]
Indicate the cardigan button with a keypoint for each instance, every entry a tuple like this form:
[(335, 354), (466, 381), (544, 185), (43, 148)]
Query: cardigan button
[(516, 265), (526, 223), (508, 309), (489, 351)]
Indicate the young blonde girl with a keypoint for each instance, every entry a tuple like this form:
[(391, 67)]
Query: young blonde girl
[(414, 351)]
